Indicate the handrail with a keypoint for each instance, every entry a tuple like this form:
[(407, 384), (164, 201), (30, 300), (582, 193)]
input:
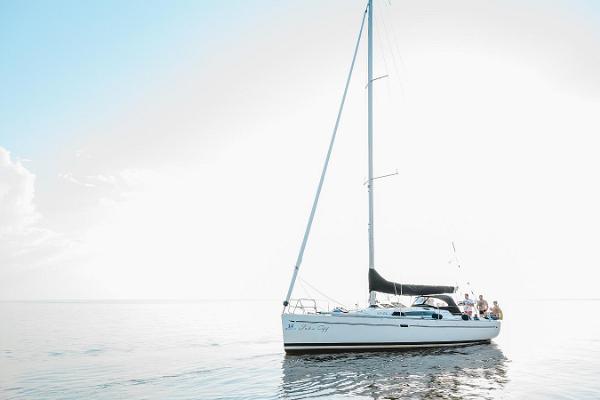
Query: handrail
[(304, 305)]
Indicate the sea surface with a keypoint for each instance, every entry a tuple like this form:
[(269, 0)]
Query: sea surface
[(233, 350)]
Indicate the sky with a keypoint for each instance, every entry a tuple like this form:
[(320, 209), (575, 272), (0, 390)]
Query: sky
[(171, 150)]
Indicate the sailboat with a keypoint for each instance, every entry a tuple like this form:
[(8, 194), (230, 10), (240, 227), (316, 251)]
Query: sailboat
[(433, 320)]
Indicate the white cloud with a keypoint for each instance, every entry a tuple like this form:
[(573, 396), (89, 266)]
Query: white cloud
[(68, 176), (25, 245), (17, 210), (104, 179)]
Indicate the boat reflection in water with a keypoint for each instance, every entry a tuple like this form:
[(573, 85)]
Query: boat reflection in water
[(477, 372)]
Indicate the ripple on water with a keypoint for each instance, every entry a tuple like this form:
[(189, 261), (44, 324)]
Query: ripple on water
[(418, 374)]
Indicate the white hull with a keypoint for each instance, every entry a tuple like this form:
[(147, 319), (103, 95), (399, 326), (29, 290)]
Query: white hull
[(335, 332)]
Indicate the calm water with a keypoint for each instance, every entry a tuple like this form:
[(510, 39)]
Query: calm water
[(233, 350)]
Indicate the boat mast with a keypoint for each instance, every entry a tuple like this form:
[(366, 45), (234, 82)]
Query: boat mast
[(372, 298)]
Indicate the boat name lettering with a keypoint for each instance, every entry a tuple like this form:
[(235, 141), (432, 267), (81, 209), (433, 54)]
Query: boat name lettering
[(310, 327)]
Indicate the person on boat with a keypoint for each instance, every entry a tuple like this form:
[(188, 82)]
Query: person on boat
[(468, 305), (496, 311), (482, 305)]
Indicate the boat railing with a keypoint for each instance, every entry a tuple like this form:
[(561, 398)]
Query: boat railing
[(304, 306)]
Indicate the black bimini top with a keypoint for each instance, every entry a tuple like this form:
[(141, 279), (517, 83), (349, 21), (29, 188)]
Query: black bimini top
[(378, 284)]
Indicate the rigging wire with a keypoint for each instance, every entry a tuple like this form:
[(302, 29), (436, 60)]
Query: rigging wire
[(308, 292), (322, 294), (396, 41), (460, 274), (325, 165), (382, 52), (389, 39)]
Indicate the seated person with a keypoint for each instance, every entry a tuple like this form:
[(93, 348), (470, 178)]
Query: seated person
[(496, 311), (468, 305)]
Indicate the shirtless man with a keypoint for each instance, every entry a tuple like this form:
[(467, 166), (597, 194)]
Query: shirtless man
[(496, 311), (482, 305)]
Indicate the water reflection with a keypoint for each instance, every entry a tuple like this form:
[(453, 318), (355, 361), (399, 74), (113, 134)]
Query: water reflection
[(474, 372)]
